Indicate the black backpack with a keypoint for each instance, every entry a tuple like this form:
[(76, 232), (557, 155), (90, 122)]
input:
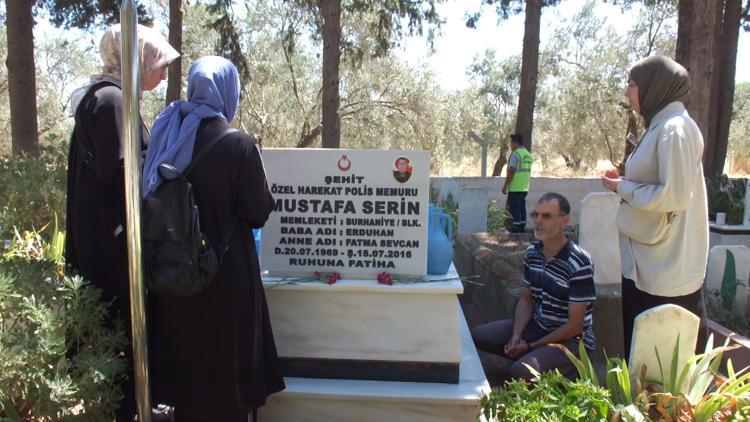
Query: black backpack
[(178, 259)]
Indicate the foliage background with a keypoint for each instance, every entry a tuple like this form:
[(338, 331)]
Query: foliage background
[(386, 102), (60, 354)]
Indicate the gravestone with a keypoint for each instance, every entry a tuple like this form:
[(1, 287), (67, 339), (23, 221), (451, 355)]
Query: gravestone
[(658, 329), (472, 210), (598, 235), (727, 275), (345, 343), (354, 212), (449, 190)]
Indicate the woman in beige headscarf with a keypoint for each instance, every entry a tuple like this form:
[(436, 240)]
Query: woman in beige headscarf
[(663, 216), (155, 54), (95, 240)]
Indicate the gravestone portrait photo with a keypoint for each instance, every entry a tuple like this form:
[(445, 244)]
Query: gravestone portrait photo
[(402, 169)]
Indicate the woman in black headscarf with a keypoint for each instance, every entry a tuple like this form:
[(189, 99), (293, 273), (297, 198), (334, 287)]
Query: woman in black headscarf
[(663, 216)]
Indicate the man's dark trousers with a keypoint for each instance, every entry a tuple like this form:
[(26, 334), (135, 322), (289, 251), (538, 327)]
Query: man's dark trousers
[(517, 209)]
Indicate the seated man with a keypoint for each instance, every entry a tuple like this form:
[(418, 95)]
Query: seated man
[(556, 303)]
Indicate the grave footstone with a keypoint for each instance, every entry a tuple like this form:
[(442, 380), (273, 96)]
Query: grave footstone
[(597, 234), (727, 275), (658, 328)]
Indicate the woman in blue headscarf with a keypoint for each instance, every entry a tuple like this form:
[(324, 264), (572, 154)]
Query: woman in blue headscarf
[(213, 354)]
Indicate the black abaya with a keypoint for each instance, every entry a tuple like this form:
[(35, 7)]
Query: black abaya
[(213, 354), (95, 244)]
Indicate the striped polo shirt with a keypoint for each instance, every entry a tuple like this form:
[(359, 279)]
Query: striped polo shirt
[(566, 278)]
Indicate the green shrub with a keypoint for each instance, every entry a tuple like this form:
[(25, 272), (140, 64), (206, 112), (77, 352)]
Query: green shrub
[(550, 398), (726, 195), (496, 218), (59, 353), (727, 316), (33, 188)]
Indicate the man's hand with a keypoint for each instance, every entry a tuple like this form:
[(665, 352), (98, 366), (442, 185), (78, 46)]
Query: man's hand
[(505, 189), (517, 346), (610, 180)]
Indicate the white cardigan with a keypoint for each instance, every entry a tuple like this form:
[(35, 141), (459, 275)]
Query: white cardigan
[(665, 174)]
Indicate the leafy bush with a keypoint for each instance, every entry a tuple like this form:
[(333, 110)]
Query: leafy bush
[(551, 397), (496, 218), (727, 316), (59, 353), (33, 188), (726, 195)]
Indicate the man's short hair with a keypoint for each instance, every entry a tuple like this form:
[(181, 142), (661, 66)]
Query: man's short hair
[(517, 138), (562, 202)]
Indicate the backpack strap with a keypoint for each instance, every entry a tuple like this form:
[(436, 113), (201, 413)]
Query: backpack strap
[(223, 247), (207, 147)]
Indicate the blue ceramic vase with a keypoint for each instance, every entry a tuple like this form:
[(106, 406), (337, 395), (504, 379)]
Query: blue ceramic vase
[(439, 246), (256, 235)]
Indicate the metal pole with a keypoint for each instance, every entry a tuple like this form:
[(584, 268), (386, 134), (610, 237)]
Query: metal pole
[(484, 159), (478, 139), (131, 130)]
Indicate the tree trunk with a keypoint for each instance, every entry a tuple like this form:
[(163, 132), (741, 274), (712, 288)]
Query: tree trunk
[(307, 137), (501, 160), (21, 76), (529, 70), (727, 60), (331, 11), (174, 81), (696, 50)]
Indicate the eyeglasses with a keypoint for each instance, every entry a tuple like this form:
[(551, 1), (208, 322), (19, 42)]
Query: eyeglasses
[(544, 215)]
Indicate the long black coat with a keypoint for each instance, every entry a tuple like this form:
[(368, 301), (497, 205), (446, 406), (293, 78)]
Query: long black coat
[(95, 242), (213, 354)]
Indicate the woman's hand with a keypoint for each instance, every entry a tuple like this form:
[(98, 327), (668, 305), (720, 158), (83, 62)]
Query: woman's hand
[(610, 179)]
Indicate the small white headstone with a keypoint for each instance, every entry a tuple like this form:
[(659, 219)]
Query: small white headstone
[(449, 189), (717, 267), (472, 210), (597, 234), (657, 329)]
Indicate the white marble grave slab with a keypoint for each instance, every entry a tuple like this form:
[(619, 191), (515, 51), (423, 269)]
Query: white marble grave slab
[(364, 320), (726, 234), (717, 259), (658, 329), (598, 235), (326, 400)]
